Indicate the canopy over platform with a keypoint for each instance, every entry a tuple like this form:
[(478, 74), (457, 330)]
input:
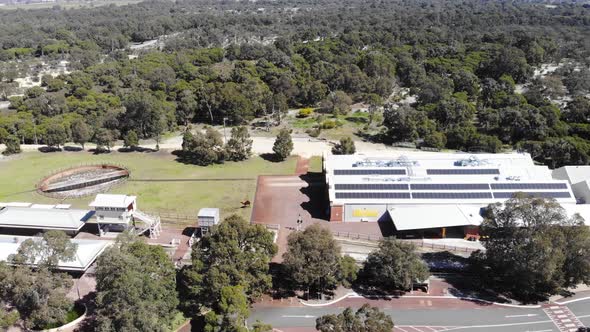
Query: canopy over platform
[(86, 253), (115, 201), (44, 219), (435, 216)]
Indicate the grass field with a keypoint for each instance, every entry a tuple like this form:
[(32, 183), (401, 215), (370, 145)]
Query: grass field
[(19, 174)]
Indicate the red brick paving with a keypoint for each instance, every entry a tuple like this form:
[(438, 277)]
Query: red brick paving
[(280, 200), (302, 166)]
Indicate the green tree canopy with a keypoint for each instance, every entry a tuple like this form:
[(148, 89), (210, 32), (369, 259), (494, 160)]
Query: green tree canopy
[(395, 266), (80, 132), (533, 249), (345, 146), (131, 140), (233, 253), (135, 287), (312, 259), (283, 144), (203, 148), (239, 146), (365, 319)]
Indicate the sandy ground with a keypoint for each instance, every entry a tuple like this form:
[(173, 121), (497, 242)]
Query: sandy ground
[(302, 146)]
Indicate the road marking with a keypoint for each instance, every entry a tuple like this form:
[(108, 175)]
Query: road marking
[(572, 301), (499, 325), (298, 316), (527, 315), (540, 331), (563, 318)]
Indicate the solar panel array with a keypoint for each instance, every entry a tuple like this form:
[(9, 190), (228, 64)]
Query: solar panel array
[(449, 186), (444, 195), (524, 186), (372, 195), (365, 171), (449, 190), (371, 186), (544, 194), (462, 171)]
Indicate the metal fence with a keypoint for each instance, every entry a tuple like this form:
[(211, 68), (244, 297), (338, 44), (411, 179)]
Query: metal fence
[(419, 243)]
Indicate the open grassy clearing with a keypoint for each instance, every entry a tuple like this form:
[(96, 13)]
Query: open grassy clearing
[(19, 174), (335, 127)]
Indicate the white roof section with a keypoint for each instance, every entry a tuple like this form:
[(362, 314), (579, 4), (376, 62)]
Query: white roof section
[(439, 178), (573, 174), (46, 219), (86, 254), (582, 209), (209, 212), (15, 204), (110, 200), (434, 216), (42, 206)]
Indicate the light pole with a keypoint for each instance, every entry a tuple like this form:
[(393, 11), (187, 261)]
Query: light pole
[(224, 135), (299, 222)]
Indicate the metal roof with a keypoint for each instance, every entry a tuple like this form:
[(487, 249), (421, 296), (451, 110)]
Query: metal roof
[(46, 219), (434, 216), (209, 212), (110, 200), (438, 178), (86, 253)]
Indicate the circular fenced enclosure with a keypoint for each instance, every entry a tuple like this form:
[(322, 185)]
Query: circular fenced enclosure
[(82, 181)]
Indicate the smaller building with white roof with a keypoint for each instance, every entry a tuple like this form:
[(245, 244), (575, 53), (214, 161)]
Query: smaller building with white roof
[(44, 218), (87, 251)]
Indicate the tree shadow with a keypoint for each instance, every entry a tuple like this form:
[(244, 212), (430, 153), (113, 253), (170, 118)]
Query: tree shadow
[(89, 323), (271, 157), (282, 287), (318, 205), (357, 120), (373, 138), (49, 149), (186, 158), (135, 149), (99, 151), (70, 148)]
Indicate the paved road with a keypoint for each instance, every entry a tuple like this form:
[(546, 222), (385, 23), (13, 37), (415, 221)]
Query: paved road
[(442, 318)]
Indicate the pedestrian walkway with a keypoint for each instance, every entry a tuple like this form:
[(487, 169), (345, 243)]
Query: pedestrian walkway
[(563, 318)]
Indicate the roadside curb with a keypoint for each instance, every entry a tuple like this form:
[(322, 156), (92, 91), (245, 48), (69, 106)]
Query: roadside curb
[(447, 297)]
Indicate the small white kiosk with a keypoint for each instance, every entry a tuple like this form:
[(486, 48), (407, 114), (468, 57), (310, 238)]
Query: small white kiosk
[(207, 217)]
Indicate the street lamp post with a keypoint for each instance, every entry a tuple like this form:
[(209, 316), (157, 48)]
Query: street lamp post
[(224, 135), (299, 222)]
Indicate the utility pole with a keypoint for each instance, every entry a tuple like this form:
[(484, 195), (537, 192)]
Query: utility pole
[(299, 222), (224, 135)]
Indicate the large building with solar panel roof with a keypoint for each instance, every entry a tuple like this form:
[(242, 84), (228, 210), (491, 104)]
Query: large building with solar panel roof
[(433, 192)]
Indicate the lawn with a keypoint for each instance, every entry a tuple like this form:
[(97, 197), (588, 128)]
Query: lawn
[(186, 195)]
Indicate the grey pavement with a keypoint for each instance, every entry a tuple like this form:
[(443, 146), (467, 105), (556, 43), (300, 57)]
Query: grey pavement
[(485, 318)]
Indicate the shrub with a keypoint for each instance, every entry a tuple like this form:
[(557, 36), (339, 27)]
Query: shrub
[(330, 124), (305, 112), (314, 132)]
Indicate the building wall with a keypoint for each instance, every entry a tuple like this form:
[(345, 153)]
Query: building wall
[(116, 214), (364, 212), (582, 192)]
